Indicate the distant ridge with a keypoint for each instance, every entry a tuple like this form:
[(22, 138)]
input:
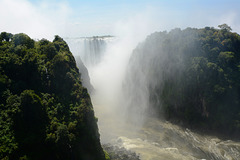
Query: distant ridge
[(92, 37)]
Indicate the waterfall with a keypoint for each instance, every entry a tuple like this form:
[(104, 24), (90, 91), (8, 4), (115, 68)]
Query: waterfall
[(93, 50), (88, 52), (90, 49)]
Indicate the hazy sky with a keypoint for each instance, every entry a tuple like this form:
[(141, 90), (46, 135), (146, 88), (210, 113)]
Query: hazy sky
[(73, 18)]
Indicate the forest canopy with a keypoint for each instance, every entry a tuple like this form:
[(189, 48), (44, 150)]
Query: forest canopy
[(45, 112), (192, 76)]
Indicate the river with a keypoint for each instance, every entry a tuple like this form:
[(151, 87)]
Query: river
[(160, 140)]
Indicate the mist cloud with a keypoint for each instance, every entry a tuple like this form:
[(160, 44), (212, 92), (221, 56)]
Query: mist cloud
[(47, 18), (38, 20)]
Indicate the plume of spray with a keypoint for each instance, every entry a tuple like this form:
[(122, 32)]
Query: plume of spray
[(108, 76)]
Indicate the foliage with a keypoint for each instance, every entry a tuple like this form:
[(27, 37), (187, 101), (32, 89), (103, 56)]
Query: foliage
[(193, 76), (45, 113), (225, 27), (106, 155)]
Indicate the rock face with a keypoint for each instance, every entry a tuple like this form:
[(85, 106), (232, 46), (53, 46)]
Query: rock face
[(84, 74), (45, 112)]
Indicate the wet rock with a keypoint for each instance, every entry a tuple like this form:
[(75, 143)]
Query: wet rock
[(117, 153)]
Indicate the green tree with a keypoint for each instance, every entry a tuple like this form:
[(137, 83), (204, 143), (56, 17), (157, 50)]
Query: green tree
[(30, 124), (23, 39), (225, 27)]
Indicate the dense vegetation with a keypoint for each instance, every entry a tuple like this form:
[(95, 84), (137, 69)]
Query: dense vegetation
[(45, 113), (191, 75)]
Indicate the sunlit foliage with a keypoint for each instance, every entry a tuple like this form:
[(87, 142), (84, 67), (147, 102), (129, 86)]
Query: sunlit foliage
[(45, 113)]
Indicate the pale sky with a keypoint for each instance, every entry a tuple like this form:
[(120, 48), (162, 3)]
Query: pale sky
[(74, 18)]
